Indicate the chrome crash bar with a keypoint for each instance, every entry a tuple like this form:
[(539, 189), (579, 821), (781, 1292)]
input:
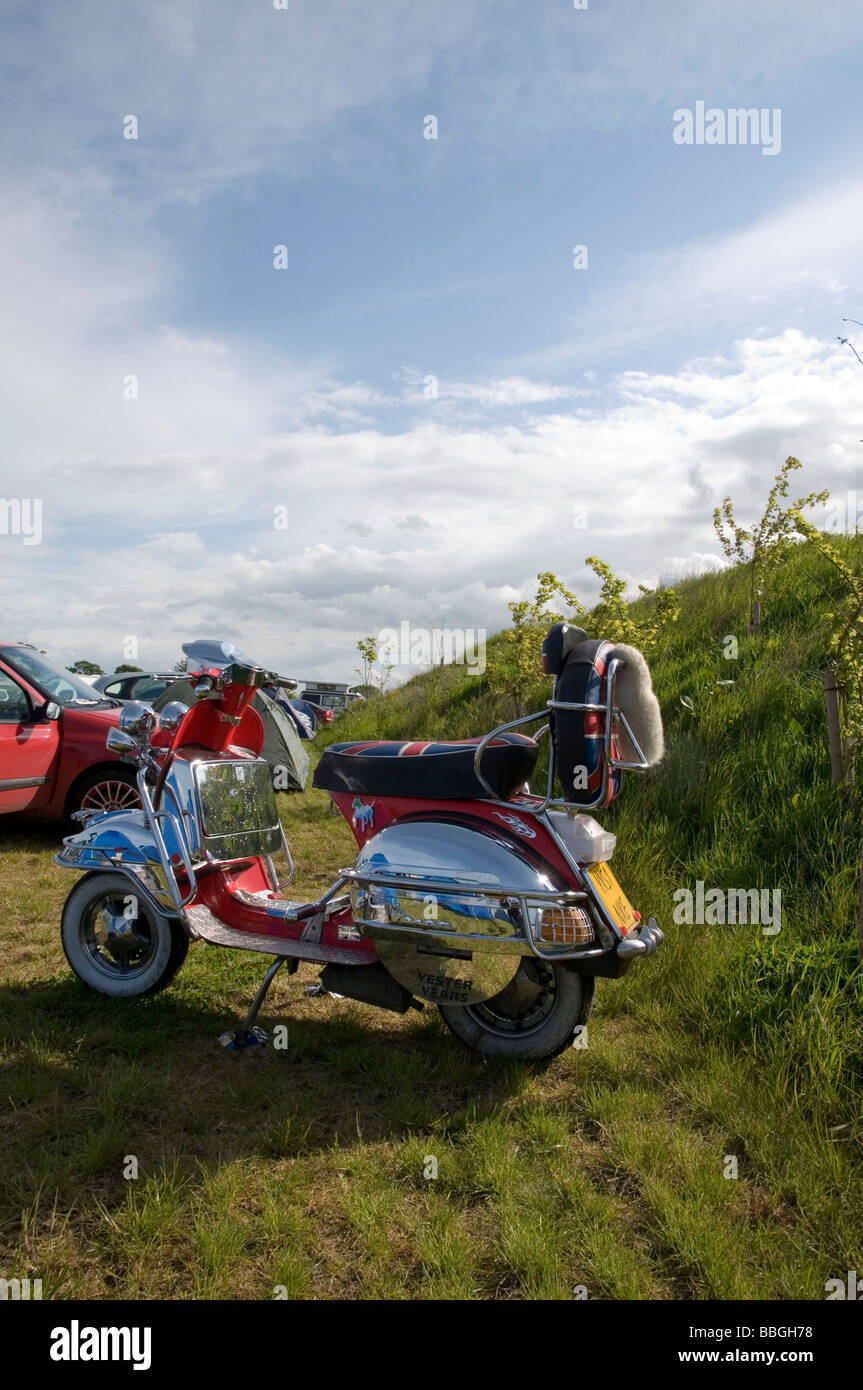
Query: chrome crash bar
[(526, 899), (155, 817)]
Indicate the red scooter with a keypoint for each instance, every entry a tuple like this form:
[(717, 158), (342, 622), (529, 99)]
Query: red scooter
[(469, 892)]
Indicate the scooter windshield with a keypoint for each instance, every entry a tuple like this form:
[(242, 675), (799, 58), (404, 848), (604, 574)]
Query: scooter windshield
[(208, 653)]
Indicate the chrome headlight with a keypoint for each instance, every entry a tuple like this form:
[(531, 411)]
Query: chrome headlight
[(118, 741), (137, 719), (172, 716)]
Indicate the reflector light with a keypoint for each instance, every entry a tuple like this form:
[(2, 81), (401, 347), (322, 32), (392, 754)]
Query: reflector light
[(566, 926), (636, 918)]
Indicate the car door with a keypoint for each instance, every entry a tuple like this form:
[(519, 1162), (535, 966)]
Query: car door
[(29, 749)]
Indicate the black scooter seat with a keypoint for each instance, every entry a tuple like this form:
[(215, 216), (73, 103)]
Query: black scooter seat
[(427, 770)]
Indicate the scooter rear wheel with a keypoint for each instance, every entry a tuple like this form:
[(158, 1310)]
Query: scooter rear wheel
[(535, 1017), (116, 942)]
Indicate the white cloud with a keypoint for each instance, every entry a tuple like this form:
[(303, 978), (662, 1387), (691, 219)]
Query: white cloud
[(498, 393), (801, 258), (181, 545), (686, 566)]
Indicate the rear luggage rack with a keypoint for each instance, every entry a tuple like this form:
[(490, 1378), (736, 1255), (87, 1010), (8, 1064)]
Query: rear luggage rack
[(614, 716)]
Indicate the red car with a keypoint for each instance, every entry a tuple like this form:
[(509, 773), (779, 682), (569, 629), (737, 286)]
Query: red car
[(53, 726)]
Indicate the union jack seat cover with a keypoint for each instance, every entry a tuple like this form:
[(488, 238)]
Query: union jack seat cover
[(427, 769)]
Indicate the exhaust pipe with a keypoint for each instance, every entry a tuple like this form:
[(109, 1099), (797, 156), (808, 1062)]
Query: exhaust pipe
[(369, 984)]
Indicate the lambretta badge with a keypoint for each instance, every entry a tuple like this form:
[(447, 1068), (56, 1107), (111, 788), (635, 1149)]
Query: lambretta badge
[(516, 824), (77, 1343)]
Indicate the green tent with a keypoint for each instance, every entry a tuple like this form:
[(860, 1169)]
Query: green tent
[(283, 747)]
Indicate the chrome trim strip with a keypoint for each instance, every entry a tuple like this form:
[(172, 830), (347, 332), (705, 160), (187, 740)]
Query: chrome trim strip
[(565, 896)]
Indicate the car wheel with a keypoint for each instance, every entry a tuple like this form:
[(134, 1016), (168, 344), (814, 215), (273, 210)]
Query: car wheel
[(111, 789)]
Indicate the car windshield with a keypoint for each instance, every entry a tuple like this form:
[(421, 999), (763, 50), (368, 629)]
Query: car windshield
[(54, 682)]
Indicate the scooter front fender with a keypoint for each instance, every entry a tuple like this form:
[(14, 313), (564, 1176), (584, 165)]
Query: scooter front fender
[(123, 842)]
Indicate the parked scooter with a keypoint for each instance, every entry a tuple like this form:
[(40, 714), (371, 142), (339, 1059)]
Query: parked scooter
[(469, 892)]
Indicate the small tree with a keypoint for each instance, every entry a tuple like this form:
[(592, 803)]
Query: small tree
[(764, 543), (621, 623), (86, 668), (368, 650), (515, 666), (118, 670), (845, 646), (515, 669), (371, 680)]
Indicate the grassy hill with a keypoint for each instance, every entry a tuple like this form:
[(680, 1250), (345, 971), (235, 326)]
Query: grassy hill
[(607, 1169), (743, 799)]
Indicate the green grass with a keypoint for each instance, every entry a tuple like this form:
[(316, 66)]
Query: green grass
[(304, 1170)]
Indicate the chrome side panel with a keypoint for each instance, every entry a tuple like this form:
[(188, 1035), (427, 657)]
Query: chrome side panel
[(457, 871), (449, 853), (448, 908)]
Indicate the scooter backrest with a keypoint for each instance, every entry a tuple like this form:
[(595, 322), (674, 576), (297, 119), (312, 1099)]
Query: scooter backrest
[(559, 642), (578, 738)]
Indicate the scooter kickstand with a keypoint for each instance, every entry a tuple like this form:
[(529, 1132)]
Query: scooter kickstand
[(248, 1035)]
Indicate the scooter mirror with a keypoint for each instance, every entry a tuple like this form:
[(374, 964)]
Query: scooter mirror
[(137, 719), (118, 742)]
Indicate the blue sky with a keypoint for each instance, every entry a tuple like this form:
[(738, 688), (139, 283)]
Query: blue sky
[(696, 350)]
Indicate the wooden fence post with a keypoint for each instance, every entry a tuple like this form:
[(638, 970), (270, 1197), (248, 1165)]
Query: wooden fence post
[(755, 616), (860, 918), (834, 732)]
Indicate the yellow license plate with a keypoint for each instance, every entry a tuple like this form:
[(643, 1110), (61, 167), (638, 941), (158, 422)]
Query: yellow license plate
[(616, 902)]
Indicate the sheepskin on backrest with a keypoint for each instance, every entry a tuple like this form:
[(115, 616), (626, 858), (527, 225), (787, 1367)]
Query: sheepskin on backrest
[(633, 694)]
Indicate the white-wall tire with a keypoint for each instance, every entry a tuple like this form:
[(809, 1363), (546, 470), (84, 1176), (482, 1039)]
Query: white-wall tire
[(115, 940)]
